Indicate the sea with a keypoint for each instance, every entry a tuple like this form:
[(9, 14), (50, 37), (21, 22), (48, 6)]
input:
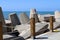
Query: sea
[(6, 13)]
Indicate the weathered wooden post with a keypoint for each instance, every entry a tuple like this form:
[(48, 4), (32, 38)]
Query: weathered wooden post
[(1, 31), (51, 23), (32, 23)]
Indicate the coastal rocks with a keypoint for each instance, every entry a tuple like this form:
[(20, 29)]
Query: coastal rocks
[(57, 16), (10, 37), (14, 19), (45, 18), (24, 18), (49, 36), (33, 12), (41, 18), (1, 16), (55, 25), (8, 22), (25, 32), (3, 21)]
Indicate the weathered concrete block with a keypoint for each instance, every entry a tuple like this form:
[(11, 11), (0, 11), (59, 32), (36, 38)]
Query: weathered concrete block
[(3, 21), (33, 12), (1, 16), (14, 19), (24, 18)]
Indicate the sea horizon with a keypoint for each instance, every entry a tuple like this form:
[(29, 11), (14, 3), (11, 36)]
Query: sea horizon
[(6, 13)]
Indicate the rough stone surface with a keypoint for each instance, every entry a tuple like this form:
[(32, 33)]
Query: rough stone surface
[(1, 16), (24, 18), (14, 19), (34, 15)]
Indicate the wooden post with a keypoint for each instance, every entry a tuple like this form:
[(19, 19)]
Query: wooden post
[(51, 23), (1, 32), (32, 23)]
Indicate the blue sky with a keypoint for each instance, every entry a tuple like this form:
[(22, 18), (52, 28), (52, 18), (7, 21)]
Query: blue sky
[(26, 5)]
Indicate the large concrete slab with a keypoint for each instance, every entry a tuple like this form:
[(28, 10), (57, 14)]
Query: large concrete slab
[(10, 37), (3, 21), (55, 25), (7, 21), (24, 18), (34, 13), (2, 16), (50, 36), (25, 29), (14, 19)]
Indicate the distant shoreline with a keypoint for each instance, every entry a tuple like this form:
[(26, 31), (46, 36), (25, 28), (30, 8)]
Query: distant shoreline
[(6, 13)]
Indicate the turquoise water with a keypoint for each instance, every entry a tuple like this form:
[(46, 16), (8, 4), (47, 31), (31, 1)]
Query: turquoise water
[(6, 13)]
